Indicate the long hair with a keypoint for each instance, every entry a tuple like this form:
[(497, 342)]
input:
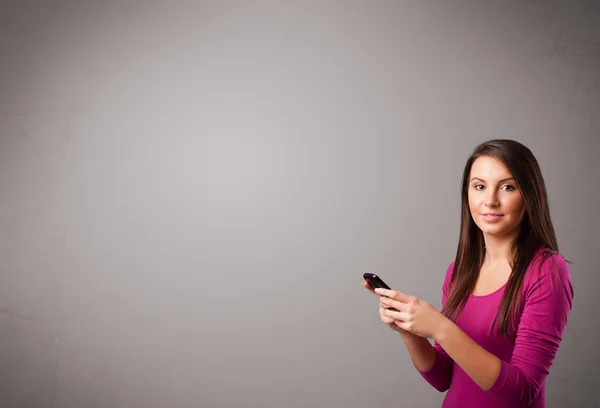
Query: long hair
[(535, 232)]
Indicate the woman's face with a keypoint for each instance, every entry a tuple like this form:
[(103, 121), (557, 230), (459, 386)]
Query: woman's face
[(496, 204)]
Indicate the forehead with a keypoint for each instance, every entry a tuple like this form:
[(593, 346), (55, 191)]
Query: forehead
[(489, 169)]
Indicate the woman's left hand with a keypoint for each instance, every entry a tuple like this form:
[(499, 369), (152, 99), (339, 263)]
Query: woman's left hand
[(413, 315)]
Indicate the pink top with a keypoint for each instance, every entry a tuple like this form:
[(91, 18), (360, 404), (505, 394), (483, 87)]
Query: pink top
[(527, 357)]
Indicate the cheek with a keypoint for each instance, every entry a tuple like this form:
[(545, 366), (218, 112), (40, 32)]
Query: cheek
[(471, 200), (521, 212), (475, 203), (474, 208), (516, 206)]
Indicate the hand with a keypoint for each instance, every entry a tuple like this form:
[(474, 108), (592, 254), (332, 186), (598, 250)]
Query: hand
[(412, 314), (388, 321)]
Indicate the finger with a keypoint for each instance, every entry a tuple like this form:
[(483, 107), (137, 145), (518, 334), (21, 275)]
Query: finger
[(394, 294), (400, 316), (393, 304), (384, 318), (387, 307), (366, 285), (403, 325)]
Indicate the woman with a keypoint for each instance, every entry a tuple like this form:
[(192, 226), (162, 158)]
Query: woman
[(506, 297)]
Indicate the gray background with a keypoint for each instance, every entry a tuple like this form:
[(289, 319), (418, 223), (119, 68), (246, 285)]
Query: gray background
[(191, 191)]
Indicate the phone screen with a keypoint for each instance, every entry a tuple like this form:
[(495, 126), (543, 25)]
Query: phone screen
[(375, 281)]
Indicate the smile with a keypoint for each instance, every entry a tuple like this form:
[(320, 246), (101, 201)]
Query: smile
[(492, 217)]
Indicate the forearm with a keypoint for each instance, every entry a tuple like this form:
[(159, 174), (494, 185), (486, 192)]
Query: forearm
[(482, 366), (420, 349)]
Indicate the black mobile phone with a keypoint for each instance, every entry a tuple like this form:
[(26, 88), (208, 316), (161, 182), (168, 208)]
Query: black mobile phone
[(375, 281)]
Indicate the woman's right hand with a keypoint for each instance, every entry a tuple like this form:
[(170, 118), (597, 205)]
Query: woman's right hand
[(388, 321)]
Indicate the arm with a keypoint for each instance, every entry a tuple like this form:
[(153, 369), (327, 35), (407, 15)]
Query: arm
[(482, 366), (548, 301), (432, 362), (422, 353)]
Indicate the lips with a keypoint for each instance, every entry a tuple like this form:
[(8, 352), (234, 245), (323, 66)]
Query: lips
[(492, 216)]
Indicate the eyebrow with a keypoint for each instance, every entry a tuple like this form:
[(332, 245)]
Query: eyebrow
[(500, 181)]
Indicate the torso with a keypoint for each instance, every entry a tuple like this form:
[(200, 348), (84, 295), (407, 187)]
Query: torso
[(475, 321), (490, 280)]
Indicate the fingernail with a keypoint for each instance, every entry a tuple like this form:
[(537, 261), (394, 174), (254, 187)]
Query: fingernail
[(378, 290)]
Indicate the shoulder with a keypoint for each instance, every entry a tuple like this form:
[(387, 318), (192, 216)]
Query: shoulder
[(547, 265), (548, 273), (448, 276), (547, 294)]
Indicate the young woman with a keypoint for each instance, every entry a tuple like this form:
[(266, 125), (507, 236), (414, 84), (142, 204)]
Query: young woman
[(505, 298)]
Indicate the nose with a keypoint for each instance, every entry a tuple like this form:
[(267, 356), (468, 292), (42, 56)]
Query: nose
[(491, 199)]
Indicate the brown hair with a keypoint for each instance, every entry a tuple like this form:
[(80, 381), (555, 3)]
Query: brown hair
[(535, 232)]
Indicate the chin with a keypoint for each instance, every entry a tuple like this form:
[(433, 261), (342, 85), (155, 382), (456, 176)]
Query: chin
[(494, 230), (497, 231), (494, 233)]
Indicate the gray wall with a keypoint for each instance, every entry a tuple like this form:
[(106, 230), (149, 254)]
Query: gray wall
[(190, 192)]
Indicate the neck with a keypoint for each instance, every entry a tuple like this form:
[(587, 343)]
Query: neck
[(496, 249)]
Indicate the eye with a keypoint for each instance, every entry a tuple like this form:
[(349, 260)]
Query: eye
[(478, 187), (509, 187)]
